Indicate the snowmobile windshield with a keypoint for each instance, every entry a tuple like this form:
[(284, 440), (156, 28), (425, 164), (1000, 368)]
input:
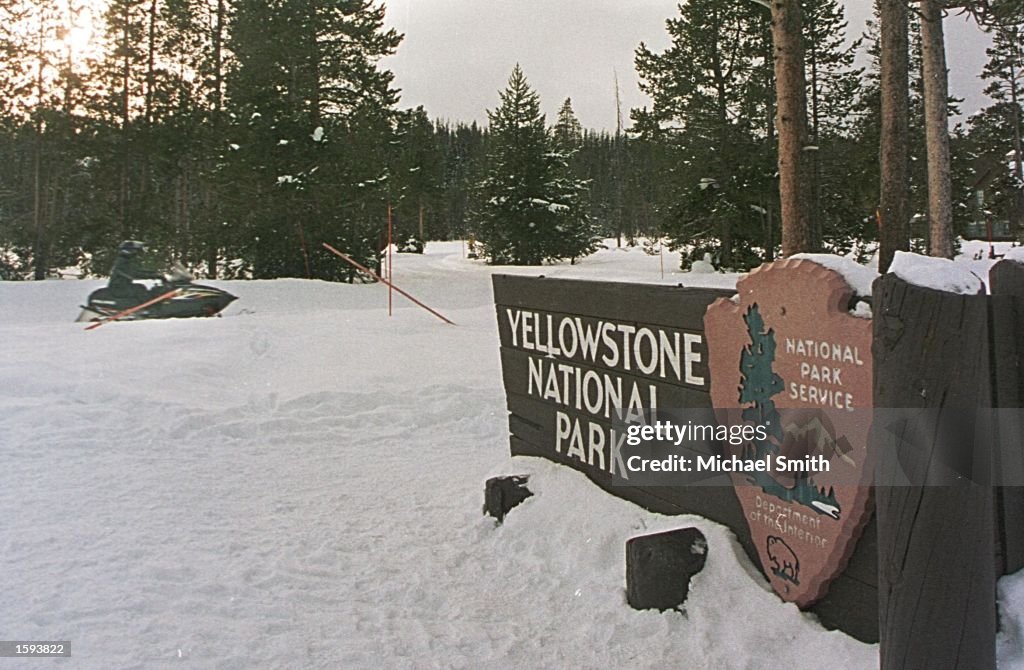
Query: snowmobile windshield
[(177, 273)]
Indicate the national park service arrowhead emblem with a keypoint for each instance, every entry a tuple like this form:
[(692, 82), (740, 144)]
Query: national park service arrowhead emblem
[(789, 355)]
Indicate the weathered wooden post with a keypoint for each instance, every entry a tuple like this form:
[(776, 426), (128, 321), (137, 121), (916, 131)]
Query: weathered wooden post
[(937, 605), (575, 353), (1006, 282)]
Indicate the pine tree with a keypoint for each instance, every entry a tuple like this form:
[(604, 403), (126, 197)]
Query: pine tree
[(713, 116), (533, 210), (120, 103), (463, 151), (1004, 73), (833, 86), (581, 233), (833, 82), (567, 133), (418, 175), (902, 196), (192, 44), (313, 125), (41, 90)]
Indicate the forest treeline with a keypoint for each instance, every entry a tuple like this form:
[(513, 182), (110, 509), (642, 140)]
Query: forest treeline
[(236, 136)]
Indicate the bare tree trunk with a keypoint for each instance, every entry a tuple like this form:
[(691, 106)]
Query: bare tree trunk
[(186, 211), (218, 58), (814, 157), (210, 211), (39, 247), (125, 117), (769, 131), (54, 210), (721, 85), (936, 121), (315, 63), (791, 87), (151, 63), (894, 203)]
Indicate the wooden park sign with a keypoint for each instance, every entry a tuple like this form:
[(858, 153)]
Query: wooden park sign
[(788, 354), (575, 351)]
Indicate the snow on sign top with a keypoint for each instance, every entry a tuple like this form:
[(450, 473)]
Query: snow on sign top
[(940, 274), (858, 276)]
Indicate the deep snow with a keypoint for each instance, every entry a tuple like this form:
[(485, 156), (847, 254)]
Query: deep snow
[(299, 484)]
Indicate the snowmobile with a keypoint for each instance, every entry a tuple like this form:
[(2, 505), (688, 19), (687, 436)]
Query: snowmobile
[(189, 300)]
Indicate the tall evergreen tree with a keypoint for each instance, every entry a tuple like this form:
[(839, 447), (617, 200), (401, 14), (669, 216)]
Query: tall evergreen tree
[(714, 113), (314, 119), (580, 235), (533, 210), (41, 90), (418, 174), (833, 87), (567, 133), (192, 47), (463, 151), (121, 101), (712, 106), (1004, 73)]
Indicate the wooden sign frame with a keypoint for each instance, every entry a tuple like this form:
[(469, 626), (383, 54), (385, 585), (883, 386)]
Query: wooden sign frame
[(851, 603)]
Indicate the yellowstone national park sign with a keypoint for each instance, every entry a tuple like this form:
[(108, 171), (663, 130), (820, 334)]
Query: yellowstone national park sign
[(790, 355), (573, 352)]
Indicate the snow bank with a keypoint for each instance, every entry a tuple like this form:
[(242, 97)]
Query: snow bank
[(299, 483), (1010, 642), (940, 274), (704, 266), (858, 276)]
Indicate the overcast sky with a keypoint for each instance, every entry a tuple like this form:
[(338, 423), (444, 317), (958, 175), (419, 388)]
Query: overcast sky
[(457, 54)]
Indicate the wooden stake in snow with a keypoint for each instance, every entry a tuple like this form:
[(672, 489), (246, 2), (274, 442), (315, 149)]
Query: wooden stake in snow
[(132, 310), (389, 284)]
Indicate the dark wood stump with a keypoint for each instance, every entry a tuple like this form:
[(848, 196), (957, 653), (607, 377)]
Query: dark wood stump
[(936, 531), (501, 494), (659, 567)]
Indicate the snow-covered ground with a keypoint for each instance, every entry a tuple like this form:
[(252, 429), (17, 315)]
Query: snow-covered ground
[(299, 485)]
